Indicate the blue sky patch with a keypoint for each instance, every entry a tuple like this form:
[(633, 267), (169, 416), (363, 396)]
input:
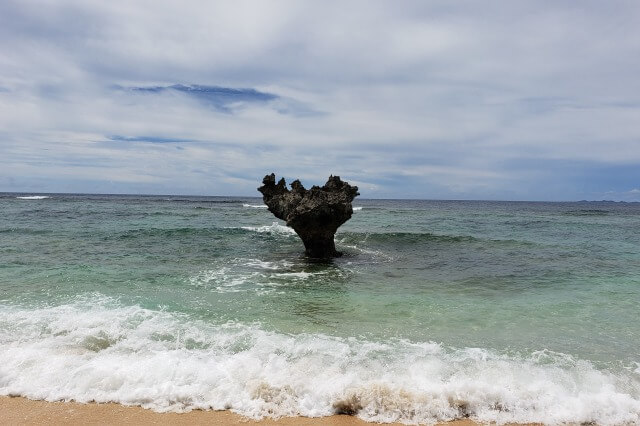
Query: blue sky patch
[(219, 98)]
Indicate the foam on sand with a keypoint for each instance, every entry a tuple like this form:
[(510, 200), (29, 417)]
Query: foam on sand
[(95, 349)]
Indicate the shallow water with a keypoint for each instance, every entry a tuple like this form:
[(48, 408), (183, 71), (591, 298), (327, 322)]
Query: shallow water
[(438, 309)]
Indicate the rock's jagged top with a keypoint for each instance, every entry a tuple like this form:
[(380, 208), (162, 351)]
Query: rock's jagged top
[(315, 214)]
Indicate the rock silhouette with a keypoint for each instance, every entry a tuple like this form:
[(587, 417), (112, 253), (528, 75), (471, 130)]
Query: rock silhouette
[(315, 214)]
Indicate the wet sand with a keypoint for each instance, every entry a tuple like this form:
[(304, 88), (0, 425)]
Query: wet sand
[(23, 411)]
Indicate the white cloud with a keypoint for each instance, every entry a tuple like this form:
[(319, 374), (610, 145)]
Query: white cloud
[(458, 99)]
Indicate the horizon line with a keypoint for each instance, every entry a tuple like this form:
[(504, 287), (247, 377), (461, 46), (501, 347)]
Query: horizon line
[(361, 198)]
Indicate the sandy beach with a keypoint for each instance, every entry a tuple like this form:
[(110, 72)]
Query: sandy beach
[(23, 411)]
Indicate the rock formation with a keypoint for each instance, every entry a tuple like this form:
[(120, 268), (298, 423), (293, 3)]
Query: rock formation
[(315, 214)]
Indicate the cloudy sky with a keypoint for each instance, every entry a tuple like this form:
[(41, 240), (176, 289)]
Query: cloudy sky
[(511, 100)]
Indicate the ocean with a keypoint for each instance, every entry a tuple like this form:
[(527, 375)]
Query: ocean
[(438, 310)]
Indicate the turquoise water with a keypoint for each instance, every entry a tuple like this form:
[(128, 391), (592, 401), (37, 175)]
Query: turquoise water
[(501, 311)]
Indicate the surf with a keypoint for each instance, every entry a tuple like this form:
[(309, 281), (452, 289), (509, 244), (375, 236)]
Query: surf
[(96, 349)]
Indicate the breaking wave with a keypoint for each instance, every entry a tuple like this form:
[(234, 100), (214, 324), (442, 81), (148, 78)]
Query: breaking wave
[(274, 228), (33, 197), (95, 349)]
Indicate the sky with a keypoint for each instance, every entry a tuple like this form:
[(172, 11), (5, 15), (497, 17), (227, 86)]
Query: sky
[(496, 100)]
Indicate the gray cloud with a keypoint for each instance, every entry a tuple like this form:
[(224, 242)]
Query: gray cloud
[(442, 99)]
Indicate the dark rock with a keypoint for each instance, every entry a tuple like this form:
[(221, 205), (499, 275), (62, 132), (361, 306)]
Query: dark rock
[(315, 214)]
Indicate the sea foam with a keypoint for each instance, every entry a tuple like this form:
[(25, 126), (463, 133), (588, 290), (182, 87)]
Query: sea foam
[(33, 197), (253, 275), (95, 349), (274, 228)]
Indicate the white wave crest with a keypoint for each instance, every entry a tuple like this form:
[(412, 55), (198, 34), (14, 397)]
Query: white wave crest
[(357, 209), (98, 350), (255, 206), (33, 197), (274, 228)]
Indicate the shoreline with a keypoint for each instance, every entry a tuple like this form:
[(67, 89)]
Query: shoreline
[(23, 411)]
